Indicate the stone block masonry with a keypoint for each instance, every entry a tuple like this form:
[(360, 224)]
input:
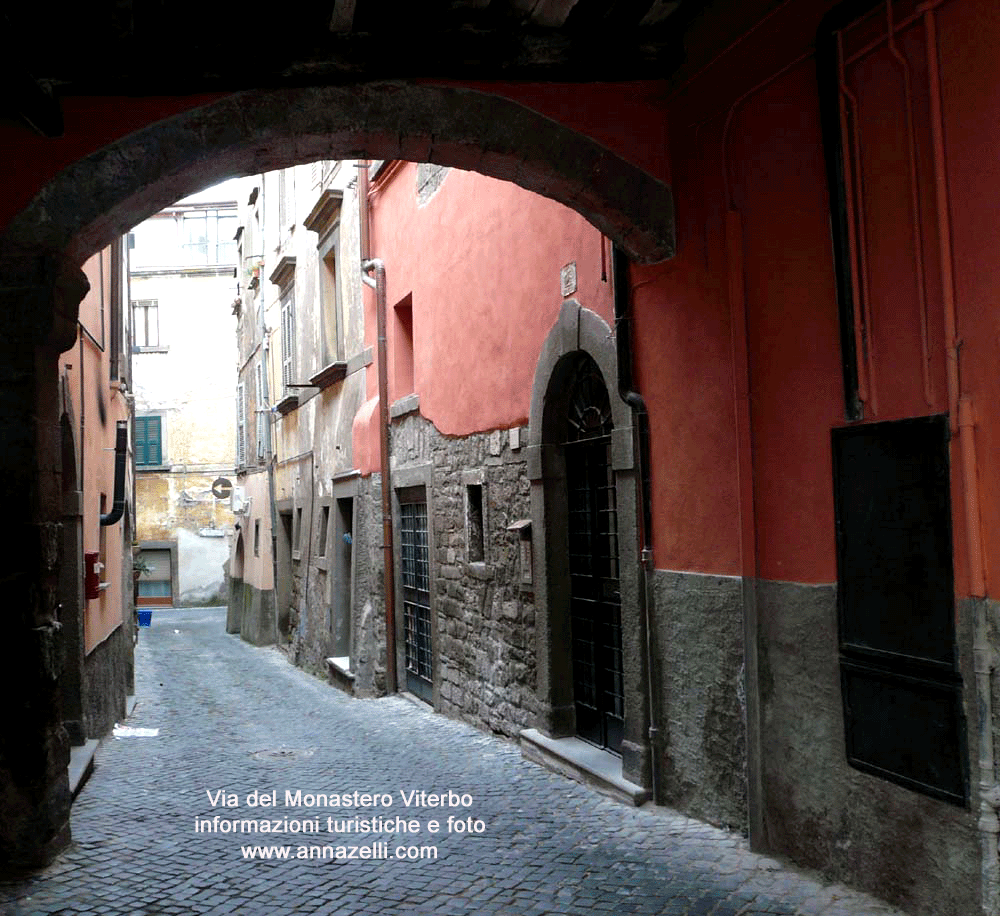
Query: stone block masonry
[(484, 661)]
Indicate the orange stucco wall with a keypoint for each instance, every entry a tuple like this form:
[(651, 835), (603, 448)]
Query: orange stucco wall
[(96, 404)]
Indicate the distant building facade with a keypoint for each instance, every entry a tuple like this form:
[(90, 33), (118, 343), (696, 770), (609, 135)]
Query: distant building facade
[(182, 280), (302, 369)]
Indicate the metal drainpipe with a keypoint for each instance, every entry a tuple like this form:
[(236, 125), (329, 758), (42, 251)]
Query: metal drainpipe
[(623, 341), (121, 453), (370, 265), (963, 426)]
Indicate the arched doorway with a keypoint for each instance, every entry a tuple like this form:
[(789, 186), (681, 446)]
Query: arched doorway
[(595, 592), (234, 616), (591, 677)]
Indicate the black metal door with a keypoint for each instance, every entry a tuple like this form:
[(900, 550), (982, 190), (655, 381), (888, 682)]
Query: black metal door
[(595, 599), (416, 599)]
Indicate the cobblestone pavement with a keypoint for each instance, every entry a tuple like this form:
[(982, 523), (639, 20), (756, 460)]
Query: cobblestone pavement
[(237, 718)]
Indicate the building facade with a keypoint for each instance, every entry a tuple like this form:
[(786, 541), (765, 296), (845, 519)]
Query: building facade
[(302, 362), (182, 278)]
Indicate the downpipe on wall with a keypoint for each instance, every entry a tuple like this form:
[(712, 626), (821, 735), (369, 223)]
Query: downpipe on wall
[(121, 455), (376, 266), (269, 453), (626, 381), (963, 427)]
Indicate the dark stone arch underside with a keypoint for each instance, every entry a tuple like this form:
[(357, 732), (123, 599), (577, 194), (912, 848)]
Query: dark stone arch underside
[(97, 198)]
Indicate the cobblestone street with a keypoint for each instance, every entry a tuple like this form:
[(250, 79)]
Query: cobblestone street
[(240, 719)]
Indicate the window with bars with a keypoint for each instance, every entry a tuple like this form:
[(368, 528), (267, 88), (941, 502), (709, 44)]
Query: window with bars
[(415, 574), (148, 441)]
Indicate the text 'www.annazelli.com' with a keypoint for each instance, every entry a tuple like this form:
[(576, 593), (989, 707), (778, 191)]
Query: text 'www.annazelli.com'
[(378, 851)]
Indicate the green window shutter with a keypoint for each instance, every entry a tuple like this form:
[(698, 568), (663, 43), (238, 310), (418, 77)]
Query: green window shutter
[(140, 441), (148, 441)]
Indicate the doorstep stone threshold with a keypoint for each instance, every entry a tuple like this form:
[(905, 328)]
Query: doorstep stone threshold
[(593, 766), (81, 756), (81, 765), (339, 673)]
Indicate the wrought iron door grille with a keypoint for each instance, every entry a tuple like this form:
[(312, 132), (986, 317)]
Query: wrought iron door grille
[(416, 598), (595, 599)]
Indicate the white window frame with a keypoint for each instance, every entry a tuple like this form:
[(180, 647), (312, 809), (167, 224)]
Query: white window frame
[(147, 306), (288, 341)]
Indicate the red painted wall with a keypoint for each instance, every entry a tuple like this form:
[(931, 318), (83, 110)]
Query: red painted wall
[(90, 123), (969, 33), (736, 143), (480, 264), (627, 118)]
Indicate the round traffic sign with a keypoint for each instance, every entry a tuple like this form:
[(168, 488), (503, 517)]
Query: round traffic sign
[(222, 488)]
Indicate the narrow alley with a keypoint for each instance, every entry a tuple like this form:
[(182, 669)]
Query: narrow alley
[(237, 718)]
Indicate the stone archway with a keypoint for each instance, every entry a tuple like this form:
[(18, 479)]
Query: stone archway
[(579, 331), (97, 198)]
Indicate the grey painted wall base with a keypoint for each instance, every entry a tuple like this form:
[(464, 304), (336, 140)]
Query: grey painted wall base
[(257, 624), (698, 643), (816, 810), (234, 608), (915, 851)]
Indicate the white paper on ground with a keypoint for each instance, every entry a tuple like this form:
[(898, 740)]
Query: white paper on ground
[(127, 731)]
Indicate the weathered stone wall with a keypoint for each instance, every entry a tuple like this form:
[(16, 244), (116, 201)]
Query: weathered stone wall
[(107, 677), (257, 624), (309, 620), (485, 657)]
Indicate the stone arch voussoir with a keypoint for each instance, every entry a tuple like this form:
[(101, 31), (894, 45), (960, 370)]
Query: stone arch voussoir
[(97, 198)]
